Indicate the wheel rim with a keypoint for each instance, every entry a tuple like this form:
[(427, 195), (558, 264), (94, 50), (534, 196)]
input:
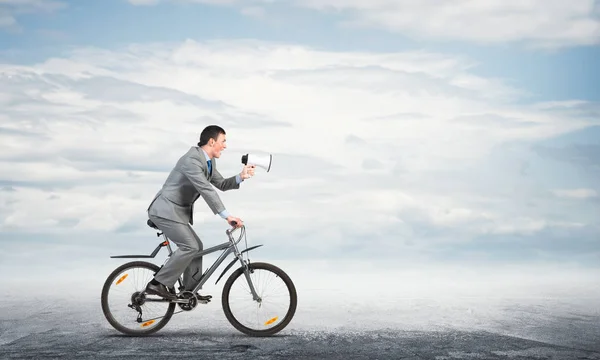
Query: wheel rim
[(125, 294), (271, 311)]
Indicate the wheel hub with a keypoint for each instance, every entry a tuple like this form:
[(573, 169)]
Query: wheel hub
[(138, 298)]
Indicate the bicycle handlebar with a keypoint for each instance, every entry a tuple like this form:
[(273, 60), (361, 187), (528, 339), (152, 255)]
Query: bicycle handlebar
[(232, 229)]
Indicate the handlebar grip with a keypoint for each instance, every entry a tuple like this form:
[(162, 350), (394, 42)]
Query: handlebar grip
[(233, 223)]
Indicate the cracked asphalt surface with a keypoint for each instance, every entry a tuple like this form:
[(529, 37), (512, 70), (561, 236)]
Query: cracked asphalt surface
[(67, 329), (72, 344)]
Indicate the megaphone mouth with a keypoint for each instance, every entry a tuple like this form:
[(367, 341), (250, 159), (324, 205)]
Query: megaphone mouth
[(270, 162), (262, 162)]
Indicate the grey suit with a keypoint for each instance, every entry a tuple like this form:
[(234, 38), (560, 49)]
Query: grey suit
[(172, 211)]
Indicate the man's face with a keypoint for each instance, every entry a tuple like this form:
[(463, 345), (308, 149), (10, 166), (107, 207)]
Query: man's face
[(219, 145)]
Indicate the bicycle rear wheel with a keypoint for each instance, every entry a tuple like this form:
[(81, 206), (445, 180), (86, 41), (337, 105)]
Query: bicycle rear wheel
[(269, 315), (127, 308)]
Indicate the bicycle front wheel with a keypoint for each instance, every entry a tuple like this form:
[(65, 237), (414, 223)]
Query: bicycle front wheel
[(125, 305), (268, 315)]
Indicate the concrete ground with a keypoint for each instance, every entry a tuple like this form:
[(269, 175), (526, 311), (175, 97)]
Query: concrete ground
[(351, 314), (76, 329)]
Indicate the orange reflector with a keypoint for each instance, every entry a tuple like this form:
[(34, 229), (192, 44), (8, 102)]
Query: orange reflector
[(121, 279), (148, 323), (271, 321)]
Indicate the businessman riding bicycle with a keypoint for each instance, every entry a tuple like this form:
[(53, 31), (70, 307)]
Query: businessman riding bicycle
[(171, 210)]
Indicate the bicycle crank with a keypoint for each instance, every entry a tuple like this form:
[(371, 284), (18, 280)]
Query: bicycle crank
[(187, 301)]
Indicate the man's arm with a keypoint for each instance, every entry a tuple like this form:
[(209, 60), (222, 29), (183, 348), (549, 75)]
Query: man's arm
[(223, 184)]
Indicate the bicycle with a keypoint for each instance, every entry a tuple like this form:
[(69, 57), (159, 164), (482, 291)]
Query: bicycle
[(139, 303)]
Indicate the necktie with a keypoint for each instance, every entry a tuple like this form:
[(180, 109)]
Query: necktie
[(209, 166)]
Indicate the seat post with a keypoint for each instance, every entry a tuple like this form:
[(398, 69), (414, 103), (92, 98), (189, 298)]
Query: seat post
[(168, 244)]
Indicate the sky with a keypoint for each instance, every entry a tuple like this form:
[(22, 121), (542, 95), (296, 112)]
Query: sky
[(446, 132)]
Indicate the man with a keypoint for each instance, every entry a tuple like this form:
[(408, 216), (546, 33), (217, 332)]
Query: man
[(172, 209)]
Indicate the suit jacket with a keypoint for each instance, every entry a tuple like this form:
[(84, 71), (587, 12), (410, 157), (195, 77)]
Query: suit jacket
[(189, 180)]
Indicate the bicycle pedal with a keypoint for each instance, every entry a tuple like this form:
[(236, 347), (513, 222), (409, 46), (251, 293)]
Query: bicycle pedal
[(203, 301)]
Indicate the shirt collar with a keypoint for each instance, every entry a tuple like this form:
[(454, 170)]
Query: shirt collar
[(205, 154)]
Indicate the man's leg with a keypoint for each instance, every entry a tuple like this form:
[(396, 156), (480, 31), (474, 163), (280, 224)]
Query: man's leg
[(193, 272), (188, 246)]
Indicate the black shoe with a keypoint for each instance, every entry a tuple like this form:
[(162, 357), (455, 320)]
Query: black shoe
[(160, 290)]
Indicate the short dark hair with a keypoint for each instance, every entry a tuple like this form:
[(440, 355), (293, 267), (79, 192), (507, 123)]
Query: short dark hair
[(210, 132)]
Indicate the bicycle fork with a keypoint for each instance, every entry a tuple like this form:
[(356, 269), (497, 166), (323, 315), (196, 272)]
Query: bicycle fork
[(246, 269)]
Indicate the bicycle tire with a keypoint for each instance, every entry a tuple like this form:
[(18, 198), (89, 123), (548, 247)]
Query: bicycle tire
[(104, 301), (289, 315)]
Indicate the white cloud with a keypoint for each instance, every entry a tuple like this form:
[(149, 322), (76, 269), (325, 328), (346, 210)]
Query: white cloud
[(254, 11), (6, 19), (373, 145), (540, 23), (11, 9), (143, 2), (155, 2), (576, 193)]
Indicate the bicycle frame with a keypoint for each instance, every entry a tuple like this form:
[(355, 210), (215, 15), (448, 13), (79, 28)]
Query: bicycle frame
[(228, 247)]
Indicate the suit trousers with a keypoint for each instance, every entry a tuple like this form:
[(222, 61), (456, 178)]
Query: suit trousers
[(183, 260)]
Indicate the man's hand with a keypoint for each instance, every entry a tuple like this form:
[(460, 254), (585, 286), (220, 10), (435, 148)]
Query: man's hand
[(238, 221), (247, 172)]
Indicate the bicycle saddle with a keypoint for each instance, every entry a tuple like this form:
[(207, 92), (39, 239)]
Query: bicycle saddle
[(151, 224)]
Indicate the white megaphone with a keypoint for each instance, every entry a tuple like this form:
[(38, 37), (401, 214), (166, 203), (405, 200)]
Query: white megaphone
[(263, 161)]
